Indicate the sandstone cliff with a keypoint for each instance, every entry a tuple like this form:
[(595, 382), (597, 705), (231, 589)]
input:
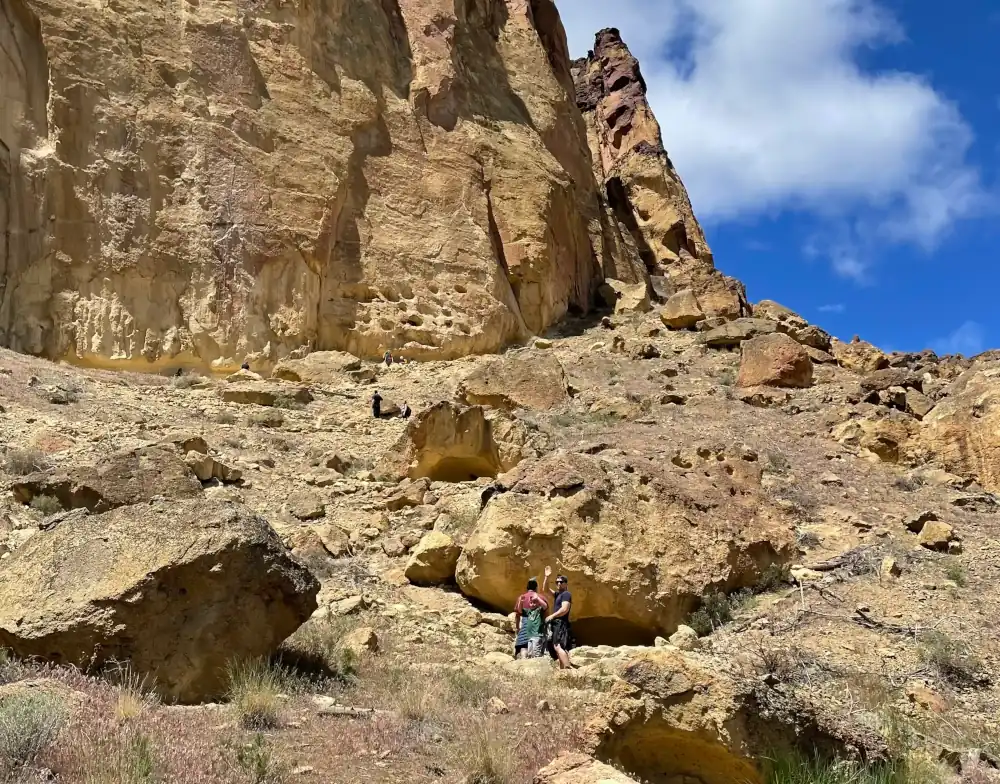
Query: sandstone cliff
[(213, 181), (644, 196)]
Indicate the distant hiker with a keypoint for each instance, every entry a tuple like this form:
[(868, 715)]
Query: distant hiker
[(245, 365), (387, 358), (404, 412), (529, 626), (560, 631), (376, 405)]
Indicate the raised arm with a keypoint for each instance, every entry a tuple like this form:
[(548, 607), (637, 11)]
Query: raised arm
[(545, 581)]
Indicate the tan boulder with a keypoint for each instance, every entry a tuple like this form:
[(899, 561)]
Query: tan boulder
[(638, 556), (408, 494), (733, 333), (306, 505), (576, 768), (445, 442), (176, 588), (205, 467), (360, 641), (682, 311), (264, 394), (319, 367), (885, 438), (128, 477), (625, 297), (936, 535), (527, 380), (776, 361), (859, 356), (433, 560)]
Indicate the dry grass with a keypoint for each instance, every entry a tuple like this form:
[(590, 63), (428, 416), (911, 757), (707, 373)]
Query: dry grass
[(266, 418), (486, 758), (255, 762), (954, 660), (315, 652), (255, 692), (46, 504)]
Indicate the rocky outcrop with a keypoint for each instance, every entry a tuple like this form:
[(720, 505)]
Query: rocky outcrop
[(640, 547), (775, 361), (318, 367), (257, 178), (447, 443), (962, 433), (433, 560), (859, 356), (644, 196), (533, 380), (175, 588), (575, 768)]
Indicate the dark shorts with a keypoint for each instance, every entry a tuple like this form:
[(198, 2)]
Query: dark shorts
[(561, 634)]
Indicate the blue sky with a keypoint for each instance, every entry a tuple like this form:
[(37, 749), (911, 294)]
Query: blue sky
[(843, 155)]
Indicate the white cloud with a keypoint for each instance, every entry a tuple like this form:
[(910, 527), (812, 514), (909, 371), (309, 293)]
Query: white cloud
[(765, 109), (834, 307), (969, 340)]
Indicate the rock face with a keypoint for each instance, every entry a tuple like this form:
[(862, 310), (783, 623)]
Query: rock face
[(176, 588), (531, 380), (859, 356), (433, 560), (774, 361), (319, 367), (639, 548), (645, 198), (256, 178), (962, 433)]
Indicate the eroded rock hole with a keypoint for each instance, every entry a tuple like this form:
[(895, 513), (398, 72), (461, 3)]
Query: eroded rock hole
[(610, 631), (461, 469)]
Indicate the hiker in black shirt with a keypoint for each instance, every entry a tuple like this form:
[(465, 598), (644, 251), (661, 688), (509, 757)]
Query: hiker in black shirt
[(560, 631), (376, 405)]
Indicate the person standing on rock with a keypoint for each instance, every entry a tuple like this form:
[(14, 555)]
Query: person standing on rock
[(387, 358), (376, 405), (529, 627), (404, 412), (560, 631)]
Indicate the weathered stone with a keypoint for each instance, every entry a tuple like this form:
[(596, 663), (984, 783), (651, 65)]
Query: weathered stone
[(128, 477), (433, 560), (306, 505), (650, 574), (763, 397), (529, 380), (625, 297), (176, 588), (319, 367), (264, 394), (733, 333), (918, 404), (936, 536), (881, 380), (859, 356), (682, 311), (793, 325), (774, 360), (685, 638), (394, 547), (360, 641), (445, 443), (915, 523), (891, 567), (576, 768), (410, 494)]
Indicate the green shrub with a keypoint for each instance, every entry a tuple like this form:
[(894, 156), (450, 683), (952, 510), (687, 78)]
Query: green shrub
[(777, 463), (288, 403), (791, 767), (257, 762), (29, 723), (269, 417), (46, 504), (955, 572), (470, 689), (315, 649), (225, 417), (123, 755), (954, 660), (21, 462)]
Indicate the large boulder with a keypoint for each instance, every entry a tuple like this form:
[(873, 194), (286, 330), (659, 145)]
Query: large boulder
[(448, 443), (625, 297), (640, 548), (682, 311), (775, 361), (175, 588), (264, 394), (530, 380), (433, 560), (733, 333), (127, 477), (576, 768), (859, 356), (319, 367)]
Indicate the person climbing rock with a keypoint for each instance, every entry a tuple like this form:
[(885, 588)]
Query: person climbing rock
[(387, 358), (404, 412), (560, 631), (376, 405), (529, 626)]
